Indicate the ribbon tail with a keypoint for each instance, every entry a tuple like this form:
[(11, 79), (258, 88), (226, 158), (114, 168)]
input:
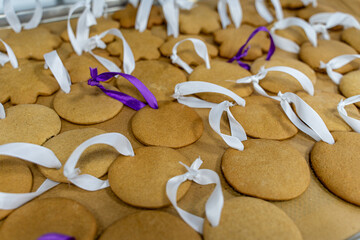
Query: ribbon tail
[(36, 18)]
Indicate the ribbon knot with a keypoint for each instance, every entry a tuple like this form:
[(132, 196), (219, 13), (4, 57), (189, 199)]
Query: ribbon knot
[(228, 104), (72, 174), (193, 170), (321, 28), (283, 97), (341, 106)]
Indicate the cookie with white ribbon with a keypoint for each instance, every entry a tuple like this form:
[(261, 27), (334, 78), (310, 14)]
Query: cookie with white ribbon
[(141, 180), (266, 169), (279, 81), (222, 74), (25, 83), (159, 77), (30, 123), (350, 84), (59, 215), (150, 225), (86, 104), (252, 218), (263, 117), (324, 52), (337, 165), (172, 125), (231, 39), (325, 104), (144, 45), (32, 43), (352, 37), (95, 160)]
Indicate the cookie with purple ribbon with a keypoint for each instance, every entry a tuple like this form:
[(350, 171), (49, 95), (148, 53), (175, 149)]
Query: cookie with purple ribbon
[(352, 37), (350, 84)]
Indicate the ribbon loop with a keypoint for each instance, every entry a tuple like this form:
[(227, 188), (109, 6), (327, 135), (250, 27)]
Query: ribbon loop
[(352, 122), (2, 111), (213, 205), (264, 12), (9, 57), (200, 49), (235, 12), (53, 61)]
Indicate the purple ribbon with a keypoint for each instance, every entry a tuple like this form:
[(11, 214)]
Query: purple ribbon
[(243, 51), (55, 236), (122, 97)]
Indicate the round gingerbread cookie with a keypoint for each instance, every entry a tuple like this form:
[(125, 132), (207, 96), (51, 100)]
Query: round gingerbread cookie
[(31, 123), (266, 169), (263, 117), (95, 160), (57, 215), (279, 81), (86, 104), (325, 104), (337, 165), (150, 225), (141, 180), (352, 37), (350, 84), (220, 73), (172, 125), (252, 218)]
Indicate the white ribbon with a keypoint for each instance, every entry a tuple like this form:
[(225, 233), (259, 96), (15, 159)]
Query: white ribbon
[(134, 3), (53, 61), (335, 63), (142, 15), (99, 8), (200, 49), (235, 12), (286, 44), (10, 56), (2, 111), (307, 2), (14, 21), (352, 122), (192, 87), (264, 12), (213, 205), (86, 181)]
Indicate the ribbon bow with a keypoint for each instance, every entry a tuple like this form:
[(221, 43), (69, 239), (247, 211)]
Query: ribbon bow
[(352, 122)]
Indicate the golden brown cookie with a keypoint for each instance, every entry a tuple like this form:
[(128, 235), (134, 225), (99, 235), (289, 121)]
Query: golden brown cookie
[(150, 225), (293, 33), (65, 50), (352, 37), (350, 84), (186, 50), (231, 39), (292, 4), (95, 160), (325, 104), (308, 11), (266, 169), (279, 81), (32, 43), (143, 45), (172, 125), (86, 104), (251, 218), (325, 51), (159, 31), (15, 177), (141, 180), (201, 18), (127, 16), (337, 165), (158, 76), (263, 117), (31, 123), (219, 73), (250, 15), (59, 215), (25, 83)]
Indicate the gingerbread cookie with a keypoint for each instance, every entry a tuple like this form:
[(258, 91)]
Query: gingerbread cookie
[(32, 43), (65, 50), (220, 73), (263, 117), (86, 104), (231, 39), (159, 31), (172, 125), (127, 16), (337, 165), (307, 12), (31, 123), (158, 76), (325, 104), (141, 180), (279, 81), (266, 169), (292, 4), (250, 14), (59, 215), (201, 18), (325, 51), (94, 161), (350, 85), (251, 218), (150, 225), (186, 49), (144, 45), (25, 83), (293, 33), (352, 37)]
